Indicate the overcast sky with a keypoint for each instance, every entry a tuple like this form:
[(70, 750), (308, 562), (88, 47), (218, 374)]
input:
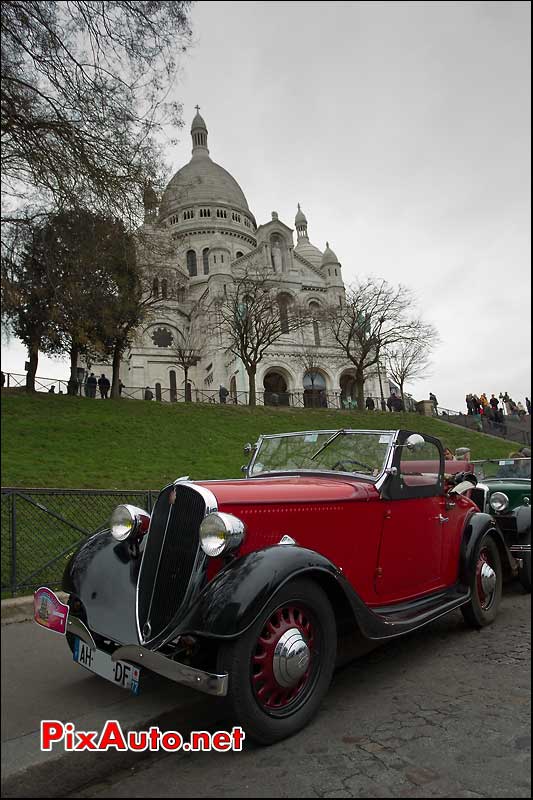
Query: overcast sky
[(403, 129)]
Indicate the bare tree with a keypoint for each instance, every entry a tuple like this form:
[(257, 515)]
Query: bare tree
[(410, 359), (374, 318), (85, 86), (187, 352), (252, 318)]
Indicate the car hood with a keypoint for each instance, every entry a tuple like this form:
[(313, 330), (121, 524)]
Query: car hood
[(293, 489)]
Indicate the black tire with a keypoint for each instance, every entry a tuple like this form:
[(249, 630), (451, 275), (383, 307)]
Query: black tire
[(267, 710), (524, 573), (483, 607)]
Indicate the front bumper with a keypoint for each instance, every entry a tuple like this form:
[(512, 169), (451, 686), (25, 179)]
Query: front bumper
[(207, 682)]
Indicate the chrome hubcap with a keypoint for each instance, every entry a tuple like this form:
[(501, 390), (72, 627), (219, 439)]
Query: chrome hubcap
[(291, 658), (488, 580)]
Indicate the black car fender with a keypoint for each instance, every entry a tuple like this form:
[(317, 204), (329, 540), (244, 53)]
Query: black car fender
[(231, 602), (479, 524), (522, 514)]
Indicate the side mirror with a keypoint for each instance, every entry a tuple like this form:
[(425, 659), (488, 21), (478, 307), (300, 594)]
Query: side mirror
[(415, 442)]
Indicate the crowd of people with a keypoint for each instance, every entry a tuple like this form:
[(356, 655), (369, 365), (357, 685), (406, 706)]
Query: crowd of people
[(496, 408)]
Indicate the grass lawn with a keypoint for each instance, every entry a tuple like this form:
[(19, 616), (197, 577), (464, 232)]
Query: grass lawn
[(73, 442)]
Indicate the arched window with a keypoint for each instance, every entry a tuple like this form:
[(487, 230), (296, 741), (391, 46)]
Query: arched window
[(276, 390), (191, 263), (238, 254), (155, 287), (164, 288), (205, 259), (314, 389), (284, 301)]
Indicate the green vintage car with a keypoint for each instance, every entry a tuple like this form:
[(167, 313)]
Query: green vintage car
[(504, 491)]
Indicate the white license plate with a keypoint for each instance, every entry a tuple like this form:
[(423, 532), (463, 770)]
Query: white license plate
[(118, 672)]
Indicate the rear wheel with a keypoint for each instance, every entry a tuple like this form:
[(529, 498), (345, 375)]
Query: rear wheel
[(280, 669), (485, 585)]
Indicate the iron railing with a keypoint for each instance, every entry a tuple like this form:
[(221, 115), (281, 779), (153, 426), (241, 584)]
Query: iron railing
[(307, 399), (42, 527)]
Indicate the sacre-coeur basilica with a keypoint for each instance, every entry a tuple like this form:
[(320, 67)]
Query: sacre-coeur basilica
[(201, 234)]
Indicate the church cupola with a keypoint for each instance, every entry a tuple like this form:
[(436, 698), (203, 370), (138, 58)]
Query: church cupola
[(199, 135), (329, 256), (332, 269), (304, 247), (300, 223)]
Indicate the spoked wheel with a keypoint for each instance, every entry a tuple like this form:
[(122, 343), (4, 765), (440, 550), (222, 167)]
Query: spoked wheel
[(280, 669), (485, 585)]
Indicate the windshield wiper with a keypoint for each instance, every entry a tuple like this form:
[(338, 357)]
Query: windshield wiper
[(341, 432)]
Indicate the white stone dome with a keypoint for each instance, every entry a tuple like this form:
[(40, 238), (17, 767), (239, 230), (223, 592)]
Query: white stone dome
[(308, 251), (201, 181), (329, 256)]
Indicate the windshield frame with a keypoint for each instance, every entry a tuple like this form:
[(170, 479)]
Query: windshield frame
[(377, 479), (501, 462)]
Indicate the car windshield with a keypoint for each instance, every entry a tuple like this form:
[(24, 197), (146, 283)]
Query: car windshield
[(364, 452), (502, 468)]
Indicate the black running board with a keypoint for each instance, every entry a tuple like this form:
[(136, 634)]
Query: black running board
[(387, 622)]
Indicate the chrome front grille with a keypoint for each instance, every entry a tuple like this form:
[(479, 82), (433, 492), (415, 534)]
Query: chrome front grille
[(171, 552)]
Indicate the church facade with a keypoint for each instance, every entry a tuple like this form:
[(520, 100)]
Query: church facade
[(199, 236)]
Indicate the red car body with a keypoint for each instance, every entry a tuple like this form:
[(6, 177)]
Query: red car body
[(244, 588)]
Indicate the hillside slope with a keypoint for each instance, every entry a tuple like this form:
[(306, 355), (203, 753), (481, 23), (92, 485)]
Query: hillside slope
[(73, 442)]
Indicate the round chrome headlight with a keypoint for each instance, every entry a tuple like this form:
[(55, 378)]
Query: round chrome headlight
[(499, 501), (127, 521), (220, 533)]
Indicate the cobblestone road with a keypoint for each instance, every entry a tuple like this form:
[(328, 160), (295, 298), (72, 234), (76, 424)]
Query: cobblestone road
[(444, 712)]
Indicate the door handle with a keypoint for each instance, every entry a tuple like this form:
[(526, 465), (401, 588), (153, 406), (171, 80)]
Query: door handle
[(442, 519)]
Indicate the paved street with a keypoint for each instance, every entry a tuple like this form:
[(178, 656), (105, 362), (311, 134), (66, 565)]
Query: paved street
[(442, 713)]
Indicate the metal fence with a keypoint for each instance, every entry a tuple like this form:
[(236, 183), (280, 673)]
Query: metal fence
[(42, 527), (306, 399)]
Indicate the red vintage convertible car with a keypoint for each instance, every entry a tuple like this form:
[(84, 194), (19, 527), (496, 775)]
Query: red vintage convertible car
[(244, 588)]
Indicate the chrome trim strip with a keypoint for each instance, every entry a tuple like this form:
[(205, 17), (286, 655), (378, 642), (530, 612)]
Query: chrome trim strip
[(207, 682), (520, 548), (142, 639), (78, 628)]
